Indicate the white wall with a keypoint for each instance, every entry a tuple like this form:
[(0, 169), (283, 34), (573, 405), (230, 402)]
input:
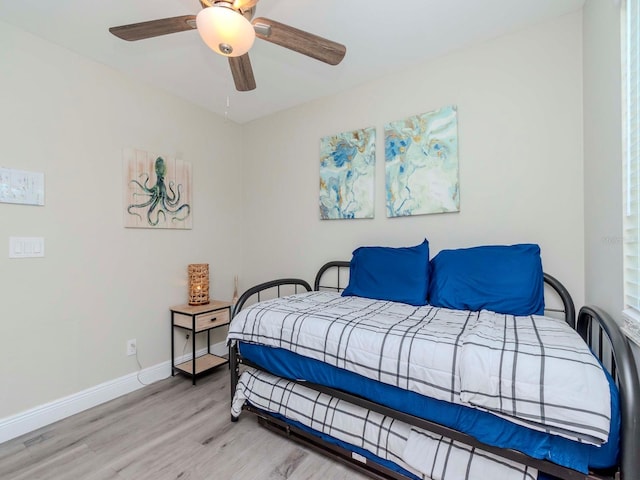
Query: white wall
[(603, 156), (519, 101), (66, 317)]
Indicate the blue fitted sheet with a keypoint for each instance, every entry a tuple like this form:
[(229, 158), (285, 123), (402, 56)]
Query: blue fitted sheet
[(484, 426)]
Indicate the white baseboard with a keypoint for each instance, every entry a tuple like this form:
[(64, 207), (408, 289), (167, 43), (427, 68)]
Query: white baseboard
[(40, 416)]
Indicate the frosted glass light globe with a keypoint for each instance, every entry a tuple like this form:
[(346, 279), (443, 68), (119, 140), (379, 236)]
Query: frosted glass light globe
[(225, 31)]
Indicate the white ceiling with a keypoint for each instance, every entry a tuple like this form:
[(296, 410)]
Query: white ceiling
[(381, 37)]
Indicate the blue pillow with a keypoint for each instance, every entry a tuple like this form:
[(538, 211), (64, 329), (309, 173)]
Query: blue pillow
[(503, 279), (386, 273)]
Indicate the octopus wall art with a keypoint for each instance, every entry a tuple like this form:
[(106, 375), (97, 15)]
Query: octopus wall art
[(157, 191)]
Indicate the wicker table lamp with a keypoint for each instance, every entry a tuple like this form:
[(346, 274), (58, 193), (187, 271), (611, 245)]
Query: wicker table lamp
[(198, 283)]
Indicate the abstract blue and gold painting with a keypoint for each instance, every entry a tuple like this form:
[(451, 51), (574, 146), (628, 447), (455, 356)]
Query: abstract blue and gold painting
[(347, 171), (421, 164)]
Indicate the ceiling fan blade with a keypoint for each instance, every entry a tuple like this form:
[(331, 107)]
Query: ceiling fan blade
[(299, 41), (242, 73), (154, 28)]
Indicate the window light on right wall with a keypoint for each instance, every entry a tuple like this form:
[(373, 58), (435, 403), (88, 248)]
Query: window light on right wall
[(631, 88)]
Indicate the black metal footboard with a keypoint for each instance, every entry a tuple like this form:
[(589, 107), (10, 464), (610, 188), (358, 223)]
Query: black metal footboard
[(611, 346), (294, 285), (274, 287)]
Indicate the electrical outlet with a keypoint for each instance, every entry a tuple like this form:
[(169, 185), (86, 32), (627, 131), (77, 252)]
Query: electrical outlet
[(132, 348)]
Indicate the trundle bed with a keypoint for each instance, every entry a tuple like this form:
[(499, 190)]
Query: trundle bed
[(400, 390)]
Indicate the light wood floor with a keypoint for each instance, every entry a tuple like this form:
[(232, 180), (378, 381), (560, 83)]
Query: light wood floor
[(168, 430)]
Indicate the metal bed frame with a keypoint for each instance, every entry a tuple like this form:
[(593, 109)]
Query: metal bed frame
[(597, 328)]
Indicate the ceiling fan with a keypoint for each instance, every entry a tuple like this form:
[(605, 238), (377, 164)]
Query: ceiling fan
[(228, 28)]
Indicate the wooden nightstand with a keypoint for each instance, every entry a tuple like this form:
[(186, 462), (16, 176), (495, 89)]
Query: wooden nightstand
[(199, 319)]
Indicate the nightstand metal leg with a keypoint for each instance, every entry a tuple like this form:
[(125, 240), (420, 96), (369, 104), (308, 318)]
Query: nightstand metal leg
[(193, 350), (173, 358)]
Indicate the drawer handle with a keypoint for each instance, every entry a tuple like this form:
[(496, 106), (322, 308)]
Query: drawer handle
[(213, 319)]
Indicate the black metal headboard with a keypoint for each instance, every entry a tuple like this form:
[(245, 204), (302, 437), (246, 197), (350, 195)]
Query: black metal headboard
[(338, 283), (339, 265)]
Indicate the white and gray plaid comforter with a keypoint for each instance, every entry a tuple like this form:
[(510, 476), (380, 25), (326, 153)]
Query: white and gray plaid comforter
[(422, 453), (518, 367)]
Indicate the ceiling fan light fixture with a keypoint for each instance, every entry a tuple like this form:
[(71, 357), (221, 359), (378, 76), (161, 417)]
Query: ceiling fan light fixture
[(225, 30)]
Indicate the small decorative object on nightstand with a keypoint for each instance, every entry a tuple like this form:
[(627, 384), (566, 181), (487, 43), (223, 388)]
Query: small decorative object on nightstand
[(198, 283), (199, 319), (234, 300)]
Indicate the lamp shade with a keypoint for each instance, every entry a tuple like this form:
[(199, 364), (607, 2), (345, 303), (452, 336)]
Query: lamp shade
[(198, 283), (225, 31)]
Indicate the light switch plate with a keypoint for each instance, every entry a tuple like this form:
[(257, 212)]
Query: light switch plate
[(25, 247)]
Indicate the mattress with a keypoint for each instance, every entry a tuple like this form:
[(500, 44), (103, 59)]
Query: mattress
[(409, 449), (532, 369), (484, 426)]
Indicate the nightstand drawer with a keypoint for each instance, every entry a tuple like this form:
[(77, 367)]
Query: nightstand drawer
[(204, 321), (212, 319)]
